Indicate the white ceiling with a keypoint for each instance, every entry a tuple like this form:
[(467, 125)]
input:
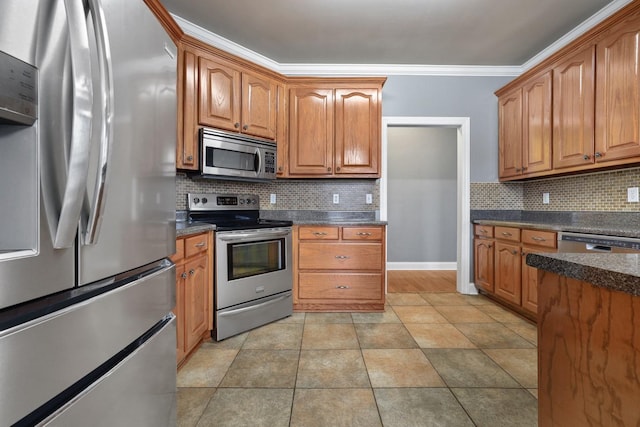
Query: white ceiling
[(406, 32)]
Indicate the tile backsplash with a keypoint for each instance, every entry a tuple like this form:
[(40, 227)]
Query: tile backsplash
[(308, 194), (600, 191)]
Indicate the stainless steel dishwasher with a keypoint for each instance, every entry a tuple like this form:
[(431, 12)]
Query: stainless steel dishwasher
[(596, 243)]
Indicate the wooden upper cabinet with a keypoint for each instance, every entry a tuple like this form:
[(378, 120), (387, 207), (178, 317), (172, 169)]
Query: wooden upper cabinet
[(187, 144), (357, 133), (219, 95), (536, 124), (573, 110), (311, 131), (617, 133), (259, 105), (510, 134)]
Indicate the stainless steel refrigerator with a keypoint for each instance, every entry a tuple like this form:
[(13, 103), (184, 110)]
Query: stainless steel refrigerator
[(87, 214)]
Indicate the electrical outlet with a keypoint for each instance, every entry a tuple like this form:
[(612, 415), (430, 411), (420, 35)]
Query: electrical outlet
[(369, 198), (545, 198), (632, 195), (272, 199), (336, 199)]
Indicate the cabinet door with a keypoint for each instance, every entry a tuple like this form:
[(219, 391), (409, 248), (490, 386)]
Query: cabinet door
[(618, 93), (508, 269), (178, 310), (483, 263), (259, 96), (573, 110), (510, 134), (196, 295), (219, 95), (357, 137), (536, 122), (311, 131), (188, 144), (530, 281)]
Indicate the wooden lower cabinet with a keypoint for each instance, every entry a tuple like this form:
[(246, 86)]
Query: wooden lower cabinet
[(501, 270), (194, 291), (339, 268)]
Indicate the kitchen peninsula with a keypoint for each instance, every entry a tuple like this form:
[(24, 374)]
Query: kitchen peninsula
[(588, 338)]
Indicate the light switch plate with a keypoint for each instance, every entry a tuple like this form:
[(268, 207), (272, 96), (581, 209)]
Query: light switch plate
[(632, 195), (369, 198), (545, 198), (272, 199), (336, 199)]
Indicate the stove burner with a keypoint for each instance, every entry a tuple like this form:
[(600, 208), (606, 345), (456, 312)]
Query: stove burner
[(230, 212)]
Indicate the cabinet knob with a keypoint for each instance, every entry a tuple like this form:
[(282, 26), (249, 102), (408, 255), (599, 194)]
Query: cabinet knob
[(329, 169), (192, 272), (184, 275), (597, 154), (338, 168), (518, 170), (280, 168), (586, 157), (489, 246), (245, 127), (236, 125), (189, 158), (514, 252)]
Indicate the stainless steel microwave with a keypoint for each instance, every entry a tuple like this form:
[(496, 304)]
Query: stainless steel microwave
[(232, 156)]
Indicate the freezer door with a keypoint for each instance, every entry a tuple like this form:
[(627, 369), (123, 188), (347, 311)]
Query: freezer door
[(140, 391), (129, 218), (45, 356)]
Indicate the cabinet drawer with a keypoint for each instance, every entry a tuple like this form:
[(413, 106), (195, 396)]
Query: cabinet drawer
[(318, 233), (546, 239), (507, 233), (362, 233), (340, 256), (483, 230), (195, 244), (179, 251), (341, 286)]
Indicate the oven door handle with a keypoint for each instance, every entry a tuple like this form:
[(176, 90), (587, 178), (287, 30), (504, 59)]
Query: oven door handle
[(252, 236)]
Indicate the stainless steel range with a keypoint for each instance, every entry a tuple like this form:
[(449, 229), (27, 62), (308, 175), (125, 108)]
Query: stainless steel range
[(253, 262)]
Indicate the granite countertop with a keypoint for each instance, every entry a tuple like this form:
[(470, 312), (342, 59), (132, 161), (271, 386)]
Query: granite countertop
[(605, 229), (185, 228), (314, 217), (618, 272)]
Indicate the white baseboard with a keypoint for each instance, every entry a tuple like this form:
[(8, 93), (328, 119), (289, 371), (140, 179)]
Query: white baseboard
[(422, 266)]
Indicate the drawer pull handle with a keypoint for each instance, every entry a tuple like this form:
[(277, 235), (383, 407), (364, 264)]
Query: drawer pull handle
[(342, 287), (506, 234), (539, 239), (483, 231), (319, 233), (184, 275), (199, 245), (192, 272), (363, 233), (342, 257)]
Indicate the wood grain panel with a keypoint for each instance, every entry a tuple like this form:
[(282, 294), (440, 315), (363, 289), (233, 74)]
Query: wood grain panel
[(508, 270), (220, 95), (194, 245), (510, 134), (507, 233), (340, 256), (589, 354), (259, 106), (341, 286), (536, 125), (547, 239), (483, 262), (318, 232)]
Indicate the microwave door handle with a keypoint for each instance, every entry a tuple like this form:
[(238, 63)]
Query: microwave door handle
[(258, 161), (78, 162), (90, 236)]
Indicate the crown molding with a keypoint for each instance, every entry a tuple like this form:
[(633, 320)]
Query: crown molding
[(592, 21), (293, 69)]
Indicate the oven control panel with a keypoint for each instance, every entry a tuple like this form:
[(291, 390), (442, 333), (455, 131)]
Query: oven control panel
[(214, 201)]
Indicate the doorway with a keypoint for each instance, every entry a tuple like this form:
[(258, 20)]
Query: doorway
[(463, 243)]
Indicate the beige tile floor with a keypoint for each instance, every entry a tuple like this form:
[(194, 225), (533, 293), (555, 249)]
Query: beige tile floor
[(431, 359)]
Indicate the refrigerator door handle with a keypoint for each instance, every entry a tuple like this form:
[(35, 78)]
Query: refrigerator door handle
[(78, 163), (96, 211)]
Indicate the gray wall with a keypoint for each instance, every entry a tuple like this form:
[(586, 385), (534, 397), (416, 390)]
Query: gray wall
[(421, 192), (433, 96)]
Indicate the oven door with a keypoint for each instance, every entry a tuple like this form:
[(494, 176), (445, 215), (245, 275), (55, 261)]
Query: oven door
[(252, 264)]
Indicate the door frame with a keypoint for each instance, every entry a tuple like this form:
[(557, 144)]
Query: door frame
[(463, 142)]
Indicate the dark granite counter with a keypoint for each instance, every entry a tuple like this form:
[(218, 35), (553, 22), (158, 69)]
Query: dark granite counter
[(624, 224), (311, 217), (185, 228), (618, 272)]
